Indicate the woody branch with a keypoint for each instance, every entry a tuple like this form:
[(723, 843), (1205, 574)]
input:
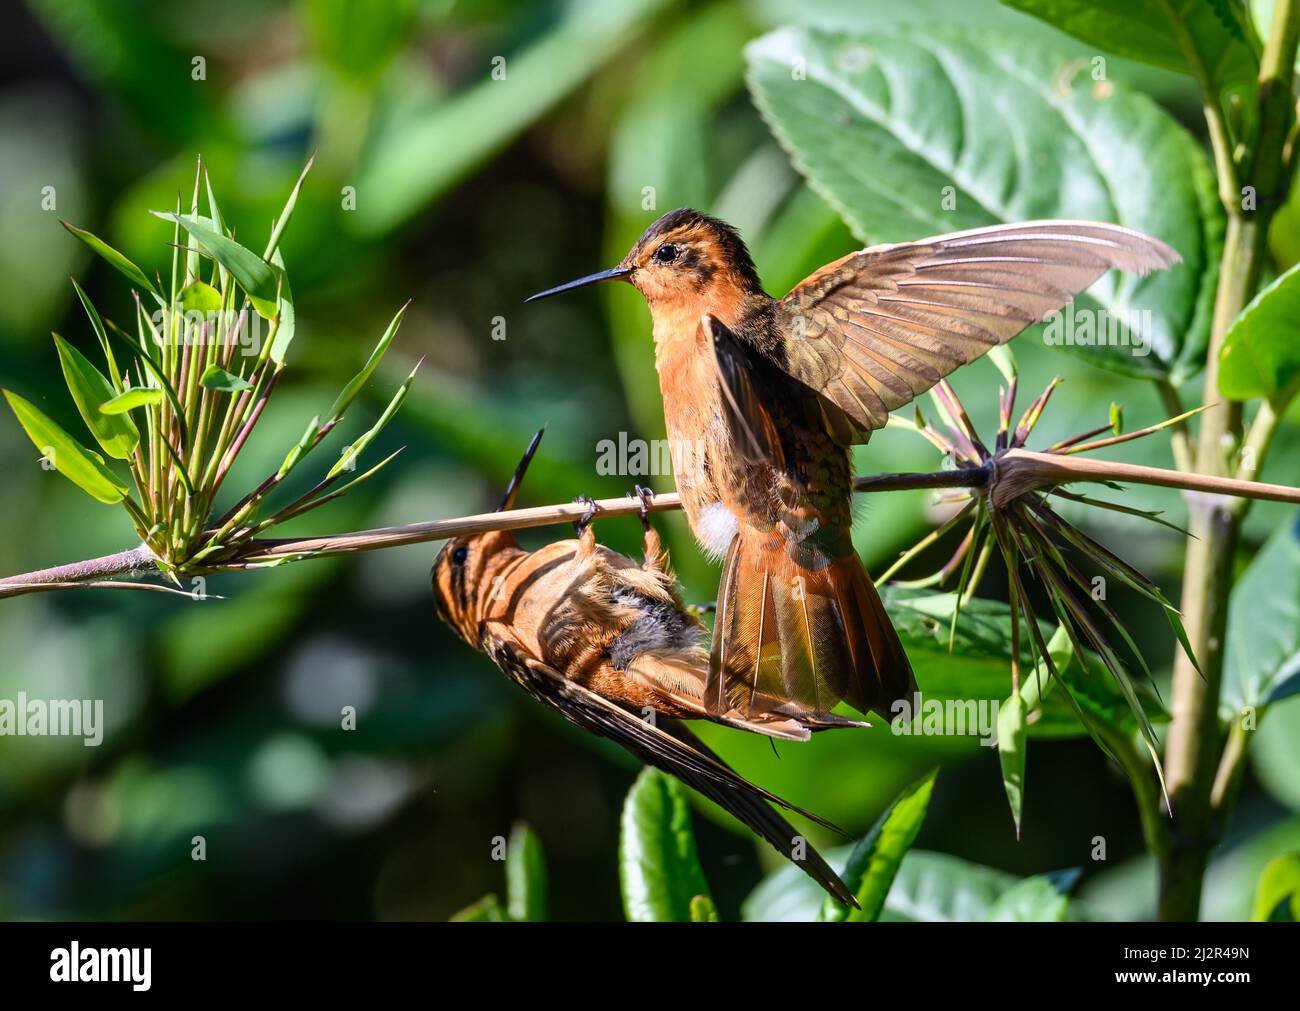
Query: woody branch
[(1010, 474)]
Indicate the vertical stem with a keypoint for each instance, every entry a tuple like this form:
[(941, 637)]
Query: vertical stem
[(1195, 740)]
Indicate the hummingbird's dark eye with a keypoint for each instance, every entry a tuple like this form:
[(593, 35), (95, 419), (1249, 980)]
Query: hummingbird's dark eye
[(459, 555), (667, 253)]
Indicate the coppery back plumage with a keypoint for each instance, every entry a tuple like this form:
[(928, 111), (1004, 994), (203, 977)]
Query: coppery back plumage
[(764, 398)]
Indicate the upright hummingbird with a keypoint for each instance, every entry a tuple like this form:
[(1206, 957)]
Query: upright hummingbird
[(608, 644), (764, 399)]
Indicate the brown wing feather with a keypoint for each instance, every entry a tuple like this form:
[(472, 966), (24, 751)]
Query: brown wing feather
[(676, 751), (879, 327)]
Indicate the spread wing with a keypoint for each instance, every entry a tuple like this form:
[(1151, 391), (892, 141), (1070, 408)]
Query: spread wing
[(877, 328), (679, 753)]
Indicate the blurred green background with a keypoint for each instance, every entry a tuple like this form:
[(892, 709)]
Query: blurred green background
[(470, 192)]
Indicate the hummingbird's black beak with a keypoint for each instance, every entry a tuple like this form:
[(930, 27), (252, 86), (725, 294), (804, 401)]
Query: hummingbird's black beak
[(605, 275), (512, 489)]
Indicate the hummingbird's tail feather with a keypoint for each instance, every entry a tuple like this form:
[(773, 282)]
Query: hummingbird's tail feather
[(749, 807), (679, 676), (807, 636)]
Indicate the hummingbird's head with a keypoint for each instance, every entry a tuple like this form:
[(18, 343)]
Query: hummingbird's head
[(466, 569), (684, 257)]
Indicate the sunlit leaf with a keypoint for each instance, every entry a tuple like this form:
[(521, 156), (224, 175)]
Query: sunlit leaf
[(286, 319), (81, 466), (139, 396), (255, 275), (1261, 663), (875, 860), (200, 297), (1158, 32), (1012, 742), (216, 378), (1040, 899), (101, 334), (116, 434), (350, 391), (525, 876), (133, 273), (1261, 353), (659, 870), (1277, 896), (886, 124), (485, 910)]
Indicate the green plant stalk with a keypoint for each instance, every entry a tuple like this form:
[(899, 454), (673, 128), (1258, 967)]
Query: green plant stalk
[(1195, 742)]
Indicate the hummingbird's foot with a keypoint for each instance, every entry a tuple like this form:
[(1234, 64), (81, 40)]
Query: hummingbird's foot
[(646, 496), (699, 609), (584, 521)]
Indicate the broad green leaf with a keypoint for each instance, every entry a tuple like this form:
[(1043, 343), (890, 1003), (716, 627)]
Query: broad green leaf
[(1261, 350), (216, 378), (525, 876), (116, 434), (1262, 662), (349, 393), (1284, 230), (703, 910), (1039, 899), (1012, 742), (929, 888), (131, 399), (485, 910), (81, 466), (911, 132), (133, 273), (659, 871), (875, 860), (1277, 896), (1159, 32), (255, 275), (200, 297)]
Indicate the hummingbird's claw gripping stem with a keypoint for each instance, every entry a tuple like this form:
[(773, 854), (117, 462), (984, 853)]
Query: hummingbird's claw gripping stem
[(699, 609), (646, 496), (585, 519)]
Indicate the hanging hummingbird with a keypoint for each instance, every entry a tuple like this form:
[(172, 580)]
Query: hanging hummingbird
[(764, 399), (610, 645)]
